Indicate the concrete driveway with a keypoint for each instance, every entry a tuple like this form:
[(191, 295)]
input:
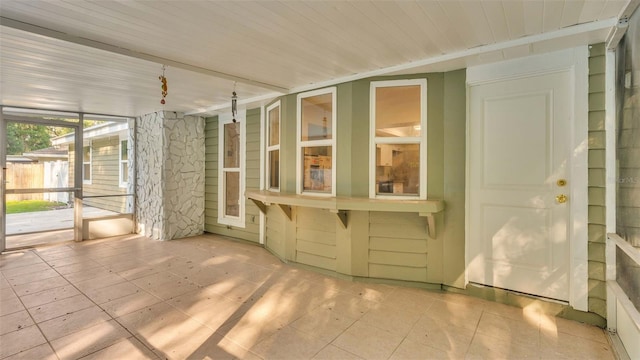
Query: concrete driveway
[(49, 220)]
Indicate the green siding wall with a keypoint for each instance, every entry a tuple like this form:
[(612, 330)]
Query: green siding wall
[(597, 181), (105, 175), (251, 230)]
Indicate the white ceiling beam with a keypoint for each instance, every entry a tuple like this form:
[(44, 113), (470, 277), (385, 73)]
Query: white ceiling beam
[(39, 30), (246, 103), (617, 32)]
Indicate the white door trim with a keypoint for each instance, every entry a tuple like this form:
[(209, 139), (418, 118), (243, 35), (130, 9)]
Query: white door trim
[(576, 61)]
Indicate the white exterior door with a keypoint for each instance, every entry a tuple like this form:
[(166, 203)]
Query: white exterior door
[(519, 169)]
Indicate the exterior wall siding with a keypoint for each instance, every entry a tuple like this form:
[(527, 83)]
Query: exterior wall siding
[(316, 238), (397, 246), (104, 175), (251, 230), (597, 182)]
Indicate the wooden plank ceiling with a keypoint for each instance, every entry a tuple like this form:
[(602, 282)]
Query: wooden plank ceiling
[(261, 48)]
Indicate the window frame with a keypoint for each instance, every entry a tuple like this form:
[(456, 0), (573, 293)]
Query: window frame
[(300, 145), (90, 163), (420, 140), (122, 184), (224, 219), (270, 148)]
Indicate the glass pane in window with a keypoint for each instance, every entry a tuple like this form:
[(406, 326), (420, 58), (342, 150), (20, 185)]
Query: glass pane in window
[(86, 172), (274, 126), (316, 117), (232, 145), (398, 111), (274, 169), (398, 169), (123, 150), (124, 171), (232, 194), (317, 169), (86, 154)]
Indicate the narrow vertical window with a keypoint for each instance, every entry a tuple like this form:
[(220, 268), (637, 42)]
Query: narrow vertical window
[(87, 154), (124, 163), (398, 154), (273, 147), (316, 143), (231, 159)]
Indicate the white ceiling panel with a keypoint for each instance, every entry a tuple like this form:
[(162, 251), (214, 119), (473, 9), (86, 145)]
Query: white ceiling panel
[(105, 56)]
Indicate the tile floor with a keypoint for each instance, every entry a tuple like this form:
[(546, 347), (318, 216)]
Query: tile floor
[(209, 297)]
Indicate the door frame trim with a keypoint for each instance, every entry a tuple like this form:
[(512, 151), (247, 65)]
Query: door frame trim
[(576, 62)]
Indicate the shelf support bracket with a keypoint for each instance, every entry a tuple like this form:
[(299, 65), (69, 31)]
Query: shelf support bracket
[(431, 224), (286, 209), (262, 206), (342, 216)]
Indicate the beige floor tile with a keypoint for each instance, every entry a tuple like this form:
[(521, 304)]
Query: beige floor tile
[(415, 300), (21, 340), (100, 282), (15, 321), (83, 266), (442, 335), (530, 314), (154, 280), (349, 305), (512, 347), (391, 319), (458, 314), (581, 330), (111, 292), (78, 258), (219, 348), (50, 295), (289, 343), (130, 303), (138, 272), (368, 342), (7, 293), (331, 352), (4, 284), (129, 349), (22, 270), (167, 331), (19, 259), (173, 289), (40, 352), (235, 289), (248, 331), (206, 307), (10, 306), (40, 285), (61, 307), (566, 346), (89, 340), (499, 326), (89, 274), (323, 323), (20, 279), (75, 321), (370, 291), (410, 350)]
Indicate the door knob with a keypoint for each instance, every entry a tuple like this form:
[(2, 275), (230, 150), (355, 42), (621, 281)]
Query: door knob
[(561, 182), (562, 198)]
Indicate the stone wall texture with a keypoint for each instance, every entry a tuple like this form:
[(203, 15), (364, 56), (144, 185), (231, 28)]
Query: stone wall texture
[(170, 176)]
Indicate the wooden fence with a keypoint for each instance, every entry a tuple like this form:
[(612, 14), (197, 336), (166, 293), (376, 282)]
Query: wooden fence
[(50, 174)]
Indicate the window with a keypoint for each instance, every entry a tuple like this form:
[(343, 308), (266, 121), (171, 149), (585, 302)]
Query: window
[(231, 157), (316, 142), (87, 154), (273, 147), (124, 163), (398, 153)]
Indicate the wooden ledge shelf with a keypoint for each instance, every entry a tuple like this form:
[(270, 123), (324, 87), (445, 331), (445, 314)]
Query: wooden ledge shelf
[(341, 205)]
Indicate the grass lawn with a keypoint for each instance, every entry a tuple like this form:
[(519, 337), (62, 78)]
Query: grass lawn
[(14, 207)]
